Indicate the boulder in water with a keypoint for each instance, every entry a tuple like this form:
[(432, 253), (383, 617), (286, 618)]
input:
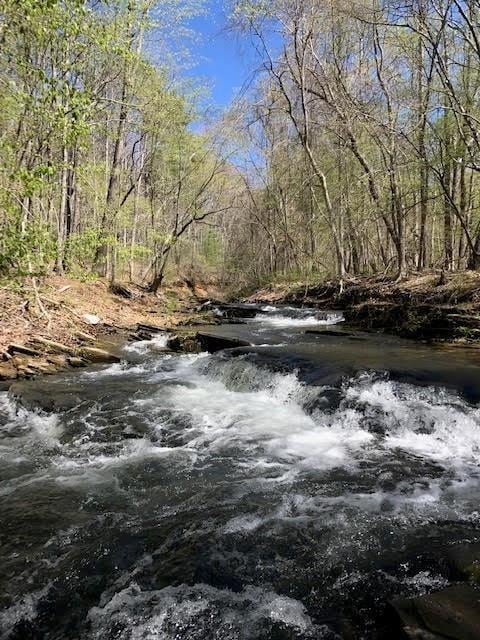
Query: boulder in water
[(452, 613), (186, 343), (464, 560), (212, 342)]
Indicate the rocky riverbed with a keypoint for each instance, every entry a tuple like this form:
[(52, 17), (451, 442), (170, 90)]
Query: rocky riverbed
[(290, 477)]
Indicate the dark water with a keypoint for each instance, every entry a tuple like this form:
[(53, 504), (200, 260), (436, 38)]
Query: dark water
[(282, 491)]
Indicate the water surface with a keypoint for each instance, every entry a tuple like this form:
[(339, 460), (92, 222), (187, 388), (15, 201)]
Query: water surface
[(285, 490)]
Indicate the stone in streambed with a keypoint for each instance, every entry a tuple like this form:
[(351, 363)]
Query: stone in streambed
[(94, 354), (187, 343), (464, 561), (212, 342), (76, 362), (452, 613)]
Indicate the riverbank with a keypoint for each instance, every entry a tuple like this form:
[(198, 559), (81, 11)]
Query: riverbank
[(69, 323), (434, 306)]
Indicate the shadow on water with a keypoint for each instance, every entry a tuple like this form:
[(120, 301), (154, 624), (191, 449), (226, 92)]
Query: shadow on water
[(285, 490)]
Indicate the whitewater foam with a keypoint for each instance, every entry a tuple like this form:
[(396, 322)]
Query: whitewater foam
[(158, 341), (214, 613), (277, 319)]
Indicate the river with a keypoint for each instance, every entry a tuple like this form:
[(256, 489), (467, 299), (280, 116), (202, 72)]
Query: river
[(287, 490)]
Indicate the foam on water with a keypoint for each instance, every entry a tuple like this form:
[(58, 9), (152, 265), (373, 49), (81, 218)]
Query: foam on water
[(38, 427), (142, 347), (234, 407), (217, 454), (289, 318), (214, 614), (428, 422), (235, 404)]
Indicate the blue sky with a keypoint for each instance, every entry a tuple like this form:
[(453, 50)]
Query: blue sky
[(222, 60)]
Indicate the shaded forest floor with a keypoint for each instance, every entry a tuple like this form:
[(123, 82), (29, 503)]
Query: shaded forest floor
[(433, 306), (68, 322)]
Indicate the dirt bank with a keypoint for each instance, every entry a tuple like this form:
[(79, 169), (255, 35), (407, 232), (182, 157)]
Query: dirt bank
[(434, 306), (71, 323)]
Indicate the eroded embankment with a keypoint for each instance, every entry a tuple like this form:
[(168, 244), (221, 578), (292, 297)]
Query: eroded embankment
[(68, 323), (435, 306)]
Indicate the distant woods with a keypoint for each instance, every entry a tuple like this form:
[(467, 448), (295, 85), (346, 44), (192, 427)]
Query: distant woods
[(366, 117), (355, 149)]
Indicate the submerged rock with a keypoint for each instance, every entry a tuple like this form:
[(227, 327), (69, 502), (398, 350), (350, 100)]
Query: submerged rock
[(453, 613), (464, 560)]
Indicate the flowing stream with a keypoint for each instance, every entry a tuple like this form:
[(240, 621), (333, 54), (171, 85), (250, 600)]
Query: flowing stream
[(287, 490)]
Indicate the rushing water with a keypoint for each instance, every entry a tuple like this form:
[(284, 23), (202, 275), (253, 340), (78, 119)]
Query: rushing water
[(283, 491)]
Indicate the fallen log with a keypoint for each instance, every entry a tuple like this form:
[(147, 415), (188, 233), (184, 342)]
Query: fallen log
[(121, 290)]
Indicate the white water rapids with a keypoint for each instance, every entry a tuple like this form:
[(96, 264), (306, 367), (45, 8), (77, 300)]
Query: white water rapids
[(223, 497)]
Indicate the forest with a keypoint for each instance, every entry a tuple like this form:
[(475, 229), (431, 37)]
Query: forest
[(354, 148), (239, 319)]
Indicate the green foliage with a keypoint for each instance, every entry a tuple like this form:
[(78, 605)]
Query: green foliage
[(211, 248), (25, 248), (80, 252), (89, 109)]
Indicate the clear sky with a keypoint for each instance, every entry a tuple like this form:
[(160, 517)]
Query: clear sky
[(221, 61)]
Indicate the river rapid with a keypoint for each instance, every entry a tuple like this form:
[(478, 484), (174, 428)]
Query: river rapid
[(287, 490)]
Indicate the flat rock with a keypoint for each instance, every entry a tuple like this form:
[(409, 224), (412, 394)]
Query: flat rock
[(60, 361), (91, 318), (84, 337), (42, 366), (21, 348), (52, 345), (212, 342), (76, 362), (149, 328), (330, 332), (452, 613), (94, 354)]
